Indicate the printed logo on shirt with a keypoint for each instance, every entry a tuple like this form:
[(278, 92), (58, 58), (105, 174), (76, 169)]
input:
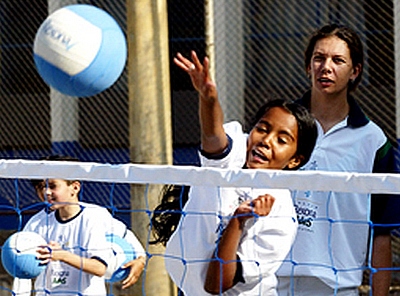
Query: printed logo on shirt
[(306, 213), (311, 166), (64, 243), (242, 195), (306, 210), (59, 277)]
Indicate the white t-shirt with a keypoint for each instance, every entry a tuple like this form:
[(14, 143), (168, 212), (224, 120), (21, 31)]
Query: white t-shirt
[(117, 227), (83, 235), (332, 240), (265, 241), (111, 224)]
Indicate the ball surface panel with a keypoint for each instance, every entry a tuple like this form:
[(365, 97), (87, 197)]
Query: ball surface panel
[(18, 254), (80, 50), (123, 253)]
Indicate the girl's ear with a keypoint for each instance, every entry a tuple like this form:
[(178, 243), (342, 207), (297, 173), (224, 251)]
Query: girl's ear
[(295, 161)]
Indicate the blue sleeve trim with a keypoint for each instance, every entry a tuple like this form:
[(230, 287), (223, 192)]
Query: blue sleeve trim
[(239, 271), (222, 155), (100, 260)]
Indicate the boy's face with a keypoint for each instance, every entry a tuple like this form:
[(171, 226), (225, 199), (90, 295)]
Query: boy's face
[(58, 192), (272, 143)]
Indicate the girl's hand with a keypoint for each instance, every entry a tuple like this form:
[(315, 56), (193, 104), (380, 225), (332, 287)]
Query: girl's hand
[(260, 206), (199, 74)]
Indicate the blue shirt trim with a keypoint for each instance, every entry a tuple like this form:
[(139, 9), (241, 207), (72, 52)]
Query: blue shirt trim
[(219, 155), (357, 117)]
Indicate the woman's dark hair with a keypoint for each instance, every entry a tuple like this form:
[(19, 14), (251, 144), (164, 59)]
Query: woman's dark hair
[(307, 128), (167, 214), (346, 34)]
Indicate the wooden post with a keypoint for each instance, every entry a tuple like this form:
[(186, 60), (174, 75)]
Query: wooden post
[(150, 123), (396, 12)]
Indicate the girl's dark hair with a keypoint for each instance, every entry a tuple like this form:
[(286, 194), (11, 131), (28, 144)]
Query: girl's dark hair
[(307, 128), (346, 34), (167, 214)]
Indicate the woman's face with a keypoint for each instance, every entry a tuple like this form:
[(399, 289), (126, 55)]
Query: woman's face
[(331, 66), (272, 143)]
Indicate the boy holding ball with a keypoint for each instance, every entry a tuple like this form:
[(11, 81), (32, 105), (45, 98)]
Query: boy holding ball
[(78, 254)]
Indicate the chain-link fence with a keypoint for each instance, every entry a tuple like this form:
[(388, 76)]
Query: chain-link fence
[(257, 49)]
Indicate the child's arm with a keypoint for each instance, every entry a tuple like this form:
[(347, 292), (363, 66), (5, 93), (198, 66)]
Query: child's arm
[(137, 265), (53, 252), (213, 137), (136, 270), (225, 261)]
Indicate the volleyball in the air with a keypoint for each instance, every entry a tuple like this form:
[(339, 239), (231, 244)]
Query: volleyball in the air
[(123, 252), (18, 254), (80, 50)]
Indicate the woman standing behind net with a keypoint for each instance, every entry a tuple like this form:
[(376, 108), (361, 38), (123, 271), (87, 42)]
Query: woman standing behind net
[(331, 254)]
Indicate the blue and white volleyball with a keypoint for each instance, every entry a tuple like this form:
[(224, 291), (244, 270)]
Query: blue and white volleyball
[(18, 254), (80, 50), (123, 253)]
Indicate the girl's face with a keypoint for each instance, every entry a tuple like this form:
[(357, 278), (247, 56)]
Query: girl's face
[(272, 143), (331, 66), (58, 193)]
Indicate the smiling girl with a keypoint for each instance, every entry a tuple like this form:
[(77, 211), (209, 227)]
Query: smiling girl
[(238, 244)]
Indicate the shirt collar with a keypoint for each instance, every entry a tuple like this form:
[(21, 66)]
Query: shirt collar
[(356, 118)]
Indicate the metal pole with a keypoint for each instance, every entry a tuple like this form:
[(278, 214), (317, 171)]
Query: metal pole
[(209, 32), (396, 13)]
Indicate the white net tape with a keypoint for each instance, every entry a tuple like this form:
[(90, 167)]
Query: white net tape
[(124, 174), (190, 175)]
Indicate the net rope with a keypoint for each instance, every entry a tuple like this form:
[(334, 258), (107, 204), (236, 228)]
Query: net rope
[(114, 175)]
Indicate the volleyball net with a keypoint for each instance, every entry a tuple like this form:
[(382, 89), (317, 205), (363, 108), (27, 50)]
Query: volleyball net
[(132, 192)]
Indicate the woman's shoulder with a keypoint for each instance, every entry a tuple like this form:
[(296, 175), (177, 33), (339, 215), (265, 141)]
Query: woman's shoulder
[(374, 132)]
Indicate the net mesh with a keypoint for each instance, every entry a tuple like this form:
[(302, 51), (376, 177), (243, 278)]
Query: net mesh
[(115, 186)]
